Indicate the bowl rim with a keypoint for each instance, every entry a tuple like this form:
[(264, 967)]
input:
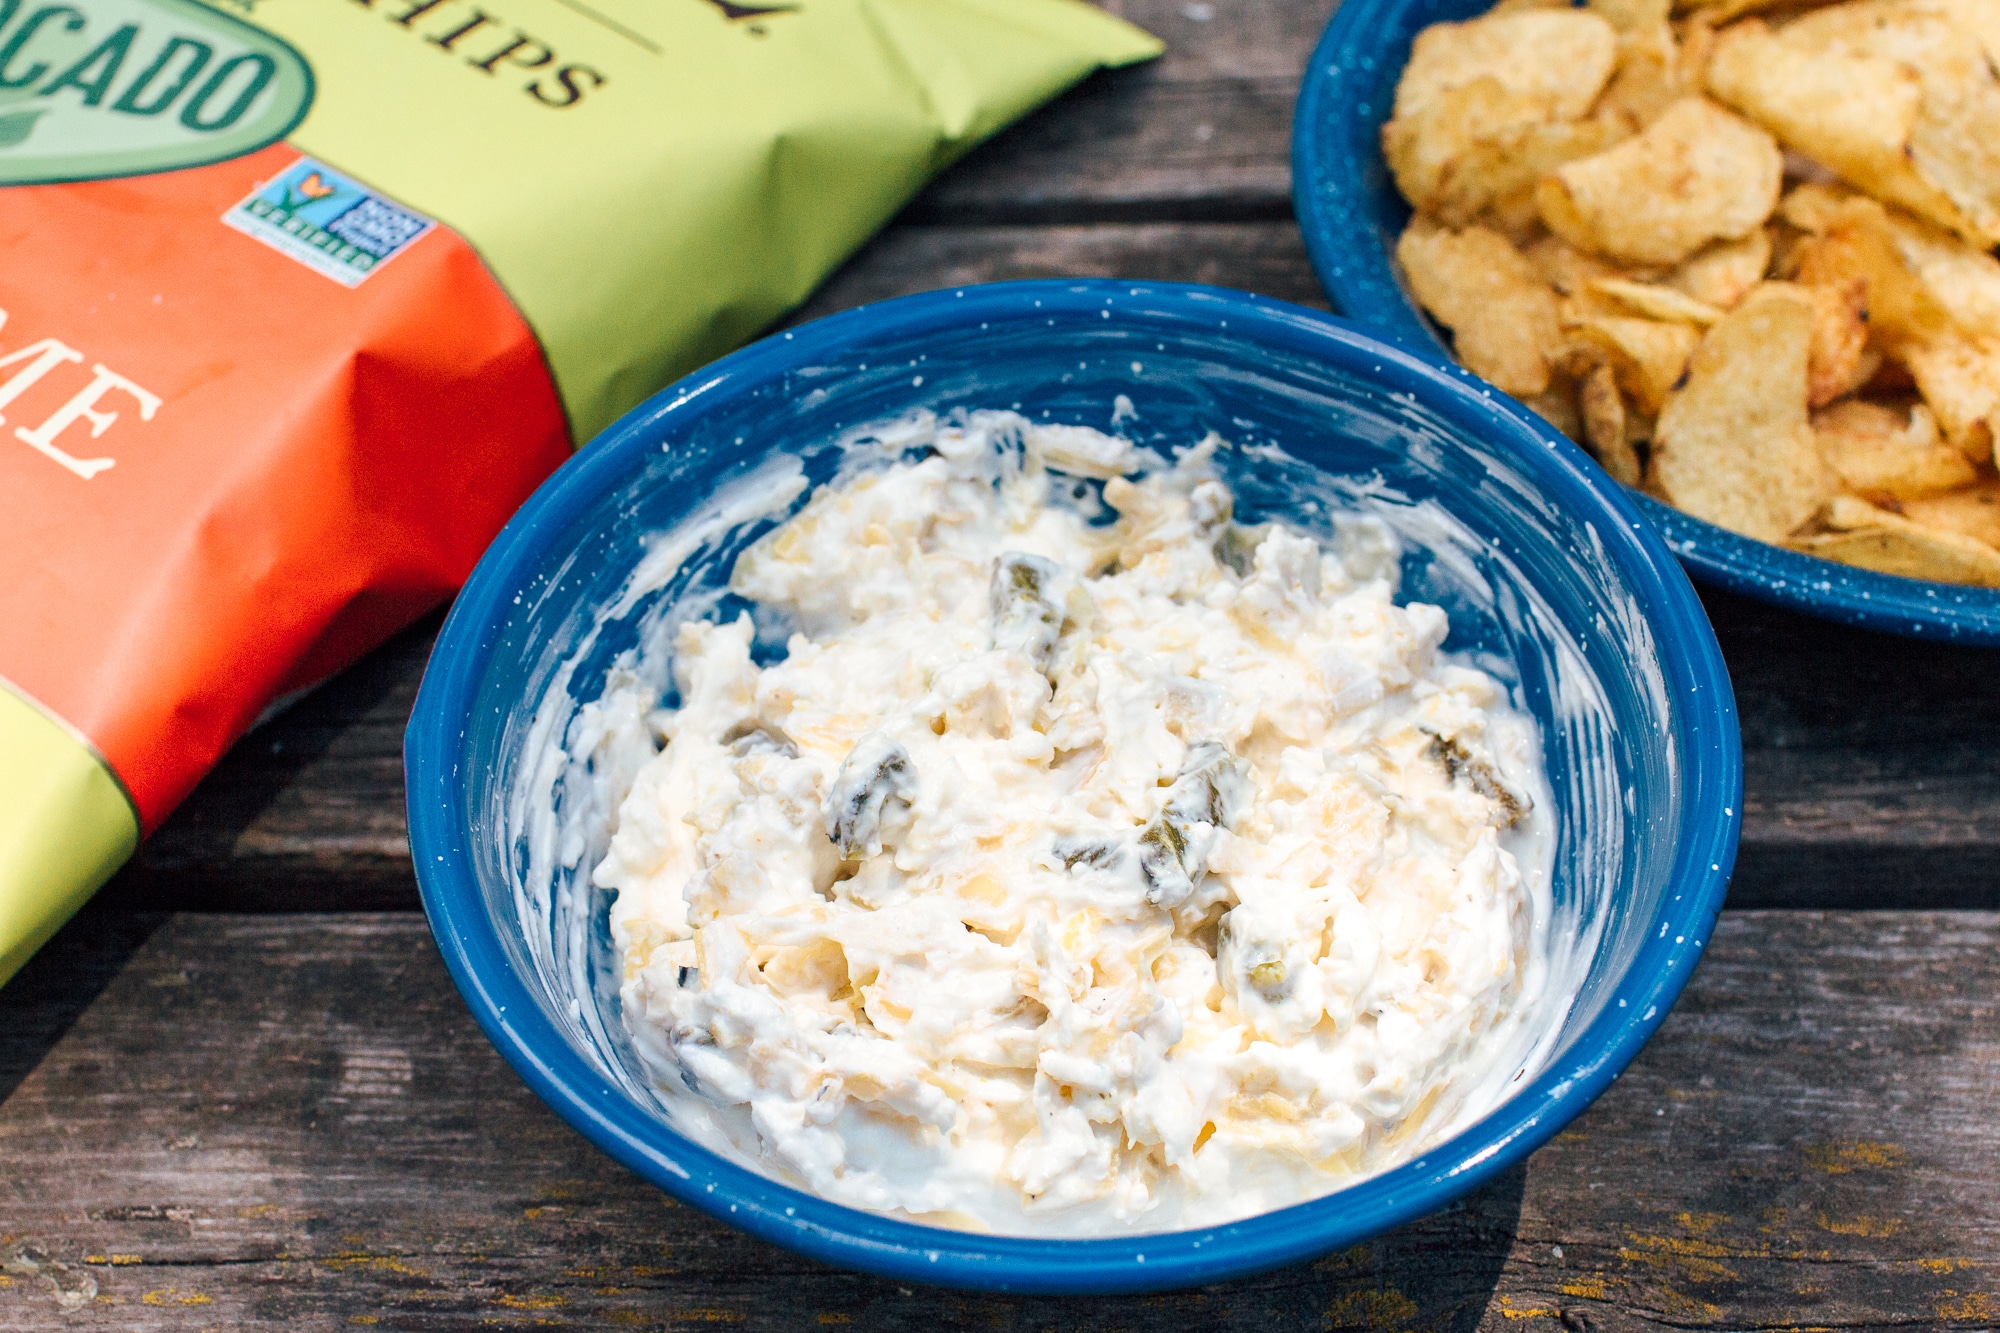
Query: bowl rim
[(1336, 99), (1710, 792)]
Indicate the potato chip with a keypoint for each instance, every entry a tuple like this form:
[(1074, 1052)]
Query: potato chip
[(1887, 543), (1695, 175), (1432, 150), (1981, 18), (1959, 376), (1909, 552), (1849, 513), (1696, 37), (1557, 58), (1852, 113), (1515, 216), (1872, 369), (1965, 281), (1814, 206), (1933, 303), (1474, 145), (1572, 271), (1603, 410), (1657, 302), (1858, 243), (1939, 50), (1883, 453), (1955, 368), (1650, 76), (1851, 110), (1720, 274), (1648, 356), (1640, 427), (1501, 314), (1733, 444), (1719, 12), (1973, 512), (1647, 82), (1557, 405), (1838, 363), (1888, 424), (1630, 16), (1954, 143)]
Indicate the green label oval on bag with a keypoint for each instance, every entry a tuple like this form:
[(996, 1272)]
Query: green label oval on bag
[(98, 88)]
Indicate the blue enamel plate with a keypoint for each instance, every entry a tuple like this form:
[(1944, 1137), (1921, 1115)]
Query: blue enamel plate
[(1351, 214)]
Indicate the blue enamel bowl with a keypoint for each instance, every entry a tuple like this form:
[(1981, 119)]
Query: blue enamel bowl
[(1351, 214), (1553, 582)]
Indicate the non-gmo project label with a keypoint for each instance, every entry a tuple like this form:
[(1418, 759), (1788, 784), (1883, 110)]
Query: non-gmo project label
[(328, 222)]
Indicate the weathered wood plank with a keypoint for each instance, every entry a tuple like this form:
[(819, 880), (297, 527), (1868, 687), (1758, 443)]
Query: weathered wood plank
[(1869, 778), (1202, 133), (1268, 258), (328, 1140)]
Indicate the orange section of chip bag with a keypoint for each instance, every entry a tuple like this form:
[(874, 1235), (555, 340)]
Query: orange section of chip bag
[(224, 475)]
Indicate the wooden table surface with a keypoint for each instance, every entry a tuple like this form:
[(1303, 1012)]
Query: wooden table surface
[(239, 1090)]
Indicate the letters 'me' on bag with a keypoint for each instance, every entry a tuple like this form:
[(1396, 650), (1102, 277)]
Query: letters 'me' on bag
[(302, 298)]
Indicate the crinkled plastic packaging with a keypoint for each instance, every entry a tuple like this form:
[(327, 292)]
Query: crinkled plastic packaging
[(303, 297)]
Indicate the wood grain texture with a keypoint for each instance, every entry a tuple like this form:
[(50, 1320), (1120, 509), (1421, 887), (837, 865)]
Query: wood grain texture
[(1870, 779), (329, 1141), (1202, 133), (1268, 258)]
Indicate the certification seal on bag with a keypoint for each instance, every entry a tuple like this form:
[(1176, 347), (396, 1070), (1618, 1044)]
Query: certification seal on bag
[(329, 223)]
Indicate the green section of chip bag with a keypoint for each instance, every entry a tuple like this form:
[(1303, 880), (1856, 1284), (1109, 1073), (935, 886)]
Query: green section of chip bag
[(65, 826), (653, 181)]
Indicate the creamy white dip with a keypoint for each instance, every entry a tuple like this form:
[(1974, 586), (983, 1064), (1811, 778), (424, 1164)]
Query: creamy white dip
[(1070, 875)]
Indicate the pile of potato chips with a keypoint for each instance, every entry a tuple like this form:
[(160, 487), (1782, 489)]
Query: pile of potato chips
[(1746, 261)]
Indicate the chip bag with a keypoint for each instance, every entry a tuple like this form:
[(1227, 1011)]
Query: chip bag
[(303, 297)]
